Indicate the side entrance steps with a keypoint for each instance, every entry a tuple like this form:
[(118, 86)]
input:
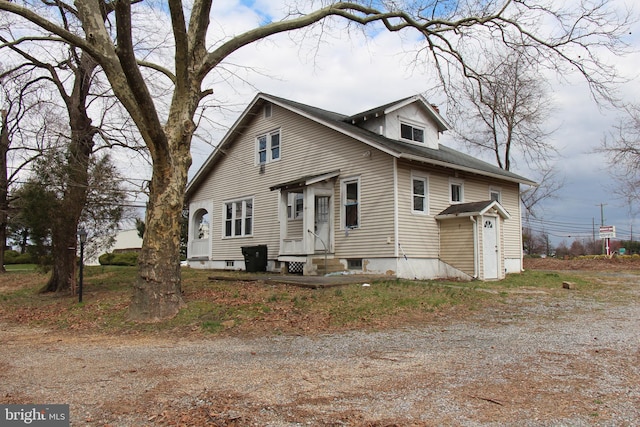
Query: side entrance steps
[(333, 265)]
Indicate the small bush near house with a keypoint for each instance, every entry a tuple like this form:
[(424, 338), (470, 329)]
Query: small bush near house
[(121, 258), (15, 257)]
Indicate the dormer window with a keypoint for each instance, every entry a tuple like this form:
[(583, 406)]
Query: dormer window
[(411, 132)]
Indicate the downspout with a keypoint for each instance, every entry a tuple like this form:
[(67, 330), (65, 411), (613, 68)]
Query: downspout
[(475, 248), (396, 232)]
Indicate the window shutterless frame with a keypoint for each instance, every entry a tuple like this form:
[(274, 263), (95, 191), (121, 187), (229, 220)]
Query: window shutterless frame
[(238, 218), (268, 147), (456, 191), (419, 194), (350, 197), (411, 132)]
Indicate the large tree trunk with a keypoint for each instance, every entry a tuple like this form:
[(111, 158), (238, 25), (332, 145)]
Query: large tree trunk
[(4, 185), (157, 294), (63, 273), (64, 227)]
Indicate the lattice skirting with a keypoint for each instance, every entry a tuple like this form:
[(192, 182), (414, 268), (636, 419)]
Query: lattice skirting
[(295, 267)]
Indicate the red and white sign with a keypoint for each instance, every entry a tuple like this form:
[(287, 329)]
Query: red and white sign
[(607, 231)]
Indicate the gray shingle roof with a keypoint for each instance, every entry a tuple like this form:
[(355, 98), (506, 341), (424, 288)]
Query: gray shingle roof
[(472, 209), (444, 155), (462, 208)]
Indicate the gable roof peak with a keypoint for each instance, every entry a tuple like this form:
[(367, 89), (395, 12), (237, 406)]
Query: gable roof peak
[(432, 110)]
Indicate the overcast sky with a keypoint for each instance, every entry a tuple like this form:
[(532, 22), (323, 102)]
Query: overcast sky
[(349, 73)]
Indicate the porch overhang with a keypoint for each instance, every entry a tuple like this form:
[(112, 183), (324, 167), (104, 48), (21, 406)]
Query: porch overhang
[(306, 181), (473, 209)]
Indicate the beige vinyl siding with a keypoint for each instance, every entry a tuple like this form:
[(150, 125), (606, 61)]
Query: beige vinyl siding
[(306, 148), (477, 188), (418, 233), (295, 228), (456, 244), (425, 243), (512, 227)]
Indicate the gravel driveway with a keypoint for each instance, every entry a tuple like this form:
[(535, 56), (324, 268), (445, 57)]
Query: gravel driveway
[(570, 359)]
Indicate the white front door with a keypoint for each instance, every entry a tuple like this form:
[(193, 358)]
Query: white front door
[(490, 245), (322, 224)]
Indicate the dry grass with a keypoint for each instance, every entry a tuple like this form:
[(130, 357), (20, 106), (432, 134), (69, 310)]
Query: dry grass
[(252, 308)]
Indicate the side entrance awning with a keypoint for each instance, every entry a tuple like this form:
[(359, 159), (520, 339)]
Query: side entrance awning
[(305, 181), (473, 209)]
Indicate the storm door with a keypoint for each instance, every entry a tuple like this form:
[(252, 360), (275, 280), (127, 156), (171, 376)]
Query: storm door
[(322, 223)]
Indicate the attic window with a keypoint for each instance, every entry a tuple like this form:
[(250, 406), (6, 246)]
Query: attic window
[(411, 133), (267, 110)]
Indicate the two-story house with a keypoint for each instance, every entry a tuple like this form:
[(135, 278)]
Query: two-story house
[(374, 192)]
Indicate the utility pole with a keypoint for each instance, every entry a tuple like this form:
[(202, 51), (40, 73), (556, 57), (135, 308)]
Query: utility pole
[(593, 235), (602, 205)]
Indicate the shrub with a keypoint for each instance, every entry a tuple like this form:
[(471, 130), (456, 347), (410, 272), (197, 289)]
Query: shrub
[(15, 257), (120, 258)]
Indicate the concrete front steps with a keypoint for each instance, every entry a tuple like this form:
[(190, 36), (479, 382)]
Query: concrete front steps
[(333, 266)]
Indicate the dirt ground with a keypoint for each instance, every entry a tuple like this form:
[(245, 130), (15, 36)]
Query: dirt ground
[(616, 263), (540, 358)]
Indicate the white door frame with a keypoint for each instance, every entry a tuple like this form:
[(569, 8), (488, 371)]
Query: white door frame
[(311, 193), (490, 247)]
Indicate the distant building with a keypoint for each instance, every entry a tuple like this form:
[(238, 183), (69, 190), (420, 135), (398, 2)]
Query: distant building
[(126, 241)]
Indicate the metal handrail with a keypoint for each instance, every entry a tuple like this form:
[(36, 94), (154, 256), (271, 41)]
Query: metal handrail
[(325, 249)]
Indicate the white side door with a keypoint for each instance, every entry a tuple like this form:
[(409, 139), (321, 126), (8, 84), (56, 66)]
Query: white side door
[(490, 247)]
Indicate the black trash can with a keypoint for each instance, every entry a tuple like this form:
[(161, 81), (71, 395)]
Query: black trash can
[(255, 258)]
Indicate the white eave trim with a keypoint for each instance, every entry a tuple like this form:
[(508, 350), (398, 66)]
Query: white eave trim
[(498, 207)]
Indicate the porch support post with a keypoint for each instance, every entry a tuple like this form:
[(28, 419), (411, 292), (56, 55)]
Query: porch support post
[(309, 220), (282, 217)]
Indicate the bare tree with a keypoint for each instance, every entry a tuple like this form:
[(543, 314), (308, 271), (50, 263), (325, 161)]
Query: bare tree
[(622, 147), (570, 38), (72, 74), (19, 98), (550, 184), (535, 243), (506, 109), (503, 111)]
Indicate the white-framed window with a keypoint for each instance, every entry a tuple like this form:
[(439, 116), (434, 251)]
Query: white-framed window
[(238, 219), (495, 193), (411, 132), (456, 191), (350, 196), (420, 194), (295, 205), (268, 147)]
